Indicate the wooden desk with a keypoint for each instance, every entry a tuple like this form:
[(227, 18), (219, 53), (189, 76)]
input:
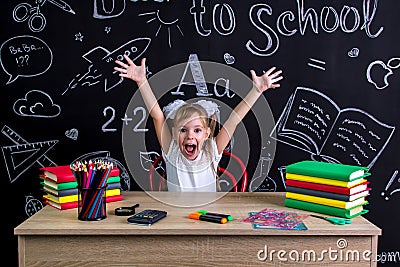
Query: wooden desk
[(57, 238)]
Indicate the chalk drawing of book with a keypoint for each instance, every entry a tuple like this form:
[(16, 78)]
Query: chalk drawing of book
[(312, 122)]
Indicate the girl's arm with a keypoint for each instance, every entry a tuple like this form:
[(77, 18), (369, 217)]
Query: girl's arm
[(260, 85), (138, 74)]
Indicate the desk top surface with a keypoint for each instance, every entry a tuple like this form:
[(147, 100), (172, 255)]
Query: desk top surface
[(50, 221)]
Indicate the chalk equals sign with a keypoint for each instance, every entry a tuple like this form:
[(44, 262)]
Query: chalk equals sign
[(315, 63)]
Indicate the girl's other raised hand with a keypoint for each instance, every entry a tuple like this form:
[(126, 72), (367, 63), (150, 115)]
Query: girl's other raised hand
[(132, 71), (267, 80)]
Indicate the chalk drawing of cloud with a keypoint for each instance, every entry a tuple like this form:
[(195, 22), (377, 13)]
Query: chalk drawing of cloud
[(36, 104)]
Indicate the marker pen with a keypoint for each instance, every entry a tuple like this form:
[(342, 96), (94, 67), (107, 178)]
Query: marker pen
[(227, 216), (207, 218)]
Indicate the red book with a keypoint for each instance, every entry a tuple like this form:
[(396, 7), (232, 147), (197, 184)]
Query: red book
[(59, 174), (114, 198), (329, 188), (63, 173), (61, 206), (74, 204)]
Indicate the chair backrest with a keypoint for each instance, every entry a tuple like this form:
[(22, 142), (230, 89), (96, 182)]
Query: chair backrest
[(238, 185)]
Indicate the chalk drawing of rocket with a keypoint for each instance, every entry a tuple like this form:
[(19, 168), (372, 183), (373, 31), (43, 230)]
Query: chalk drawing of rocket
[(101, 69)]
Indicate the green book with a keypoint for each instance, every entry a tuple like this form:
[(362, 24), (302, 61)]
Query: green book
[(113, 179), (69, 185), (327, 170), (328, 210), (60, 186)]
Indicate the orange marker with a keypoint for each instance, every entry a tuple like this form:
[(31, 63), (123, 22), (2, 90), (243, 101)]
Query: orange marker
[(207, 218)]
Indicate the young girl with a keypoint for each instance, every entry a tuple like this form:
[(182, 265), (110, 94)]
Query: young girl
[(191, 152)]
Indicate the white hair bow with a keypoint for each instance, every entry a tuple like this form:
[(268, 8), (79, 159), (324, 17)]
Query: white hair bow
[(210, 106)]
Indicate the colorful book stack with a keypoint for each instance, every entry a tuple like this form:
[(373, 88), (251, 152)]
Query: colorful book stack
[(60, 187), (329, 188)]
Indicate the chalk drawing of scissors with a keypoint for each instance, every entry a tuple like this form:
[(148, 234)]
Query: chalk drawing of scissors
[(36, 20)]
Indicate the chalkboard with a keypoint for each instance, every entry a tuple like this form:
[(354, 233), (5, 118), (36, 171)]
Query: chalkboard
[(61, 101)]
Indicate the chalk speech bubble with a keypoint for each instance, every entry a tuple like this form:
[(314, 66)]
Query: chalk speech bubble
[(25, 56)]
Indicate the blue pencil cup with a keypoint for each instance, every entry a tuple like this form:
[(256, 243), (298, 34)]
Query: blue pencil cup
[(92, 204)]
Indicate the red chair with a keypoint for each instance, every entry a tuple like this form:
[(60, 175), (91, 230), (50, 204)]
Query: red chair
[(243, 182)]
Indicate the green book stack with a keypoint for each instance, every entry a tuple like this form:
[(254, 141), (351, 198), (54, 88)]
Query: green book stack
[(329, 188)]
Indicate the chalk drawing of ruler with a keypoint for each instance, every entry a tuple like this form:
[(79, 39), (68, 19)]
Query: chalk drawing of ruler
[(21, 156)]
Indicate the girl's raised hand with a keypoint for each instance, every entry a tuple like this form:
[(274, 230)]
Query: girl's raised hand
[(132, 71), (267, 80)]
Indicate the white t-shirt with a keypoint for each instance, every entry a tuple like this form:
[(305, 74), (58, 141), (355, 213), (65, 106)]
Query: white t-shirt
[(197, 175)]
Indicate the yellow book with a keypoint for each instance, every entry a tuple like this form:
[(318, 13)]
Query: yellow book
[(327, 201), (317, 180), (72, 198), (113, 192), (64, 199)]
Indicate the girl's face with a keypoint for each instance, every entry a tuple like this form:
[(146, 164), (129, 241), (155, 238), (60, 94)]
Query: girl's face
[(190, 135)]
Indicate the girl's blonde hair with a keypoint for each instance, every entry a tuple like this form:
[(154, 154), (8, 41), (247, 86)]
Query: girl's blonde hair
[(187, 111)]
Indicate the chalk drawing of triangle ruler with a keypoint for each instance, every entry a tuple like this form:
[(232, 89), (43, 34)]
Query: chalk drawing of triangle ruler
[(21, 156)]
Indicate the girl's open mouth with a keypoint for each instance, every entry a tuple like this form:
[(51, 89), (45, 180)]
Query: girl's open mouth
[(190, 149)]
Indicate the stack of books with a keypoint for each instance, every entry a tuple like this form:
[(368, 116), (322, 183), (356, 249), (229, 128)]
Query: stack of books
[(329, 188), (60, 187)]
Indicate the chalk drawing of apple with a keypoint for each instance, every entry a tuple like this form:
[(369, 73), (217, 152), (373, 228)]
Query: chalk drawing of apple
[(378, 74)]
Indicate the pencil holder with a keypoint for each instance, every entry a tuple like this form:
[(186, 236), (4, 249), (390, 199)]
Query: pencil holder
[(91, 178), (92, 203)]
